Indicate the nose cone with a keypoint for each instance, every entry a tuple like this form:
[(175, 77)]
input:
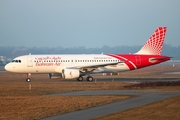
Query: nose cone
[(7, 67)]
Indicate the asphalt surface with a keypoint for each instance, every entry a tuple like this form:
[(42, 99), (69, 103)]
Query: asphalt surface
[(143, 97), (125, 79)]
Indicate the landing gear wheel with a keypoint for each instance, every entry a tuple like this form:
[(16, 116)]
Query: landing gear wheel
[(80, 78), (28, 80), (89, 78)]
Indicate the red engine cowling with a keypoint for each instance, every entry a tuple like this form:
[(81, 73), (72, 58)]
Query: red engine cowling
[(70, 73)]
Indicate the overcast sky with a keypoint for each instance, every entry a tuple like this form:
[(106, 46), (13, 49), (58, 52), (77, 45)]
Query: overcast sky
[(89, 23)]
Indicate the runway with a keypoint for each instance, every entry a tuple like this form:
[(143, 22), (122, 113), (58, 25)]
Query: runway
[(126, 80), (143, 97)]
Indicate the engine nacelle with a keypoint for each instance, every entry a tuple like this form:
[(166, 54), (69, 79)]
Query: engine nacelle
[(70, 73), (54, 75)]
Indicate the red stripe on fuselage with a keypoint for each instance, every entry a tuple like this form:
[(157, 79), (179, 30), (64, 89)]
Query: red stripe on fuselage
[(136, 61), (122, 58)]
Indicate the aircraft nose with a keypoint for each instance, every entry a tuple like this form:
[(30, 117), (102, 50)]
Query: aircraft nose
[(7, 67)]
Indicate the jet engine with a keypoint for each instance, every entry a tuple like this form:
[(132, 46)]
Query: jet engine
[(54, 75), (70, 73)]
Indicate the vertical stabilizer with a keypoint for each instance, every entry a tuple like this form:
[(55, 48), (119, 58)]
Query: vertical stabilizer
[(155, 43)]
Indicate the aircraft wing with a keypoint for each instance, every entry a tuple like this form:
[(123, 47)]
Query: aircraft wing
[(94, 66)]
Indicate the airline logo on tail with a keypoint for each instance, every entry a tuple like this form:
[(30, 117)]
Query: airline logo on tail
[(155, 43)]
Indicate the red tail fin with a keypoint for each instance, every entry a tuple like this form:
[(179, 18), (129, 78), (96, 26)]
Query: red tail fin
[(155, 43)]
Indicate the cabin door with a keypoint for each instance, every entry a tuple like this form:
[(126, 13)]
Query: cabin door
[(29, 61)]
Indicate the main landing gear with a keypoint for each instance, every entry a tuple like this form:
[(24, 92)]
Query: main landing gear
[(89, 78), (28, 77), (80, 78)]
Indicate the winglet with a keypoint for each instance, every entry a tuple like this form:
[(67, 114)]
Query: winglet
[(155, 43)]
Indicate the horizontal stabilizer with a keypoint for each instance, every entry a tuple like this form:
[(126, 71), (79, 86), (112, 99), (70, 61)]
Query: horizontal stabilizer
[(163, 58)]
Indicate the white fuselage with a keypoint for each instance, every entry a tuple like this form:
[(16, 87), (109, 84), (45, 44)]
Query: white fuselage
[(56, 63)]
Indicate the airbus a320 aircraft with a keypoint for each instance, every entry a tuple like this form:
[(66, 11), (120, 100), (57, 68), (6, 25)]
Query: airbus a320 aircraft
[(75, 66)]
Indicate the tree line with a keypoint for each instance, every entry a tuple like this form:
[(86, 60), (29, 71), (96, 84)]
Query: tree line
[(11, 52)]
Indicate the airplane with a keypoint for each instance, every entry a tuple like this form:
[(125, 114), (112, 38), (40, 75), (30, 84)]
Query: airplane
[(76, 66)]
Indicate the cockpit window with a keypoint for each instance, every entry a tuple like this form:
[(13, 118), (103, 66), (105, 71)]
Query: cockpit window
[(16, 61)]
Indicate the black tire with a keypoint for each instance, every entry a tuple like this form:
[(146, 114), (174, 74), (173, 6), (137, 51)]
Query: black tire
[(89, 78), (28, 80), (80, 78)]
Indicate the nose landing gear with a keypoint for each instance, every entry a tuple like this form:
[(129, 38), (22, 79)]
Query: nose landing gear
[(28, 77)]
